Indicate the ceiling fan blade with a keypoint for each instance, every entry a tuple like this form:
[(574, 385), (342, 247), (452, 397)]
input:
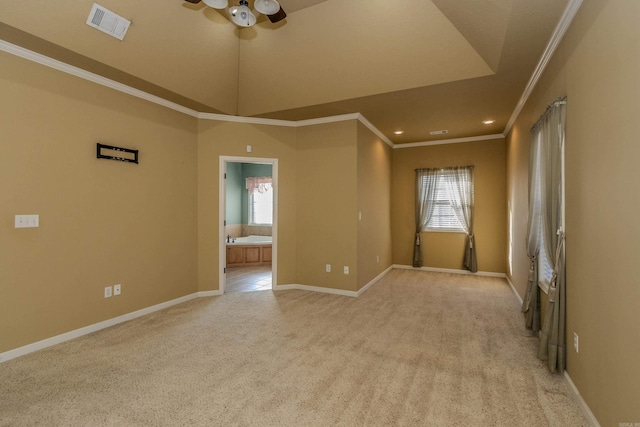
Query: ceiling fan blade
[(278, 16), (193, 1)]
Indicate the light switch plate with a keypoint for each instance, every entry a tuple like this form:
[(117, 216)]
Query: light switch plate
[(27, 221)]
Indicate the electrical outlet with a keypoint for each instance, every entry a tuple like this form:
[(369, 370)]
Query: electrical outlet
[(107, 292), (117, 289), (575, 342), (346, 269), (328, 268)]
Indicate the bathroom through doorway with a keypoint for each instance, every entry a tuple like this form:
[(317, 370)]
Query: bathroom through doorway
[(248, 229)]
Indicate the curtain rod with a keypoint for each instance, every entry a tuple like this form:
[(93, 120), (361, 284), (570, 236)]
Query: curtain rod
[(442, 169), (556, 103)]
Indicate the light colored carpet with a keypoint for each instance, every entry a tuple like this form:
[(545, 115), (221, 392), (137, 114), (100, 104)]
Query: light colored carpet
[(417, 348)]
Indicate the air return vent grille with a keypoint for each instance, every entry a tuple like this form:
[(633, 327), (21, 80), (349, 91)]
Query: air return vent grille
[(108, 22)]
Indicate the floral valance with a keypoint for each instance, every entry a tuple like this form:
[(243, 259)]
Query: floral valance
[(258, 184)]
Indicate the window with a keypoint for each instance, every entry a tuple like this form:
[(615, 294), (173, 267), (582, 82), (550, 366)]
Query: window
[(260, 200), (444, 217), (543, 264), (545, 272), (445, 202), (547, 185), (261, 204)]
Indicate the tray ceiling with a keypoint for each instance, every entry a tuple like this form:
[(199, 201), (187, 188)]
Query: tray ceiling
[(416, 65)]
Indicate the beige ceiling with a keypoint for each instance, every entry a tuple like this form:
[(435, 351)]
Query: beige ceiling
[(416, 65)]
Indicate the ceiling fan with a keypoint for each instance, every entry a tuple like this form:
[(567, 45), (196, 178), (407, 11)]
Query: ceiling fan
[(242, 15)]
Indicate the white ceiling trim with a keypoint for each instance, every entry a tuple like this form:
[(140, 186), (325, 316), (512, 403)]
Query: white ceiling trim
[(276, 122), (247, 120), (450, 141), (95, 78), (299, 123), (566, 20), (78, 72), (329, 119), (84, 74), (375, 130)]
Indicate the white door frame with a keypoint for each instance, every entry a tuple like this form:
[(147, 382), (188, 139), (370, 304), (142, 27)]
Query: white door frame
[(222, 213)]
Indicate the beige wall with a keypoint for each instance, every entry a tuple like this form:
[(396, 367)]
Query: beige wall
[(319, 191), (182, 58), (153, 227), (326, 205), (374, 203), (101, 222), (445, 250), (517, 205), (215, 139), (597, 67)]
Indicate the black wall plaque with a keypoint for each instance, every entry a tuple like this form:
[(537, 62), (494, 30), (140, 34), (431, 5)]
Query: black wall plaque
[(122, 154)]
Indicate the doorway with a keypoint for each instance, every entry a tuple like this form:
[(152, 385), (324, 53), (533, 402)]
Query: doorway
[(248, 229)]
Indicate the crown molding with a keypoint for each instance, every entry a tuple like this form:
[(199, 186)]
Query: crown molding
[(298, 123), (278, 122), (559, 32), (95, 78), (328, 119), (103, 81), (450, 141), (247, 120), (343, 117), (375, 130)]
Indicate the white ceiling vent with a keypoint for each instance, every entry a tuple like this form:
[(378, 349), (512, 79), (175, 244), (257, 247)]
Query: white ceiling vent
[(439, 132), (108, 22)]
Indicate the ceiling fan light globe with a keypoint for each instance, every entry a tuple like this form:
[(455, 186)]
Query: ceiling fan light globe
[(242, 16), (267, 7), (217, 4)]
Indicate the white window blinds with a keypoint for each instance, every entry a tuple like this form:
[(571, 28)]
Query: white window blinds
[(444, 217)]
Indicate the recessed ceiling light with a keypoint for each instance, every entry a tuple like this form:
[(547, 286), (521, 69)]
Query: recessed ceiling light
[(399, 132), (488, 122)]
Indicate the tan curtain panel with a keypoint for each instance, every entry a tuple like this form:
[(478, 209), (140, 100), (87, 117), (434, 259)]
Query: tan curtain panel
[(458, 182), (426, 183), (545, 219)]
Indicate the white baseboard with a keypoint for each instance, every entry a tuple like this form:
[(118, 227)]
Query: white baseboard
[(374, 281), (449, 270), (593, 421), (209, 294), (316, 289), (513, 288), (48, 342), (331, 290)]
